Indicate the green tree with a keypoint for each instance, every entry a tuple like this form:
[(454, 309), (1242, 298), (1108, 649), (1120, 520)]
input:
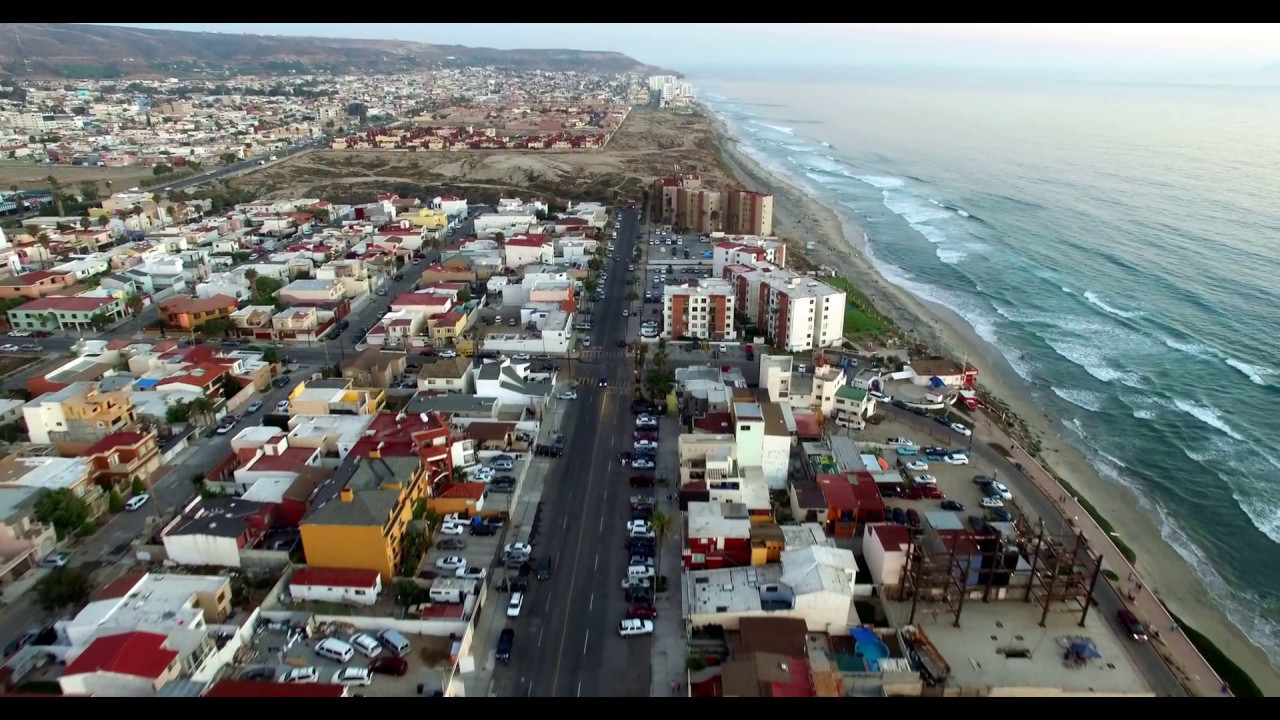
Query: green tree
[(228, 158), (100, 321), (178, 412), (265, 289), (103, 221), (464, 295), (201, 408), (134, 303), (218, 327), (63, 510), (89, 190), (138, 486), (115, 502), (161, 170), (62, 588), (85, 222), (230, 388), (270, 355), (419, 508), (661, 524), (590, 285)]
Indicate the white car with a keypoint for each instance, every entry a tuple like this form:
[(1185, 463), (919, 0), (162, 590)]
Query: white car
[(632, 628), (926, 480), (645, 445), (899, 442), (448, 353), (301, 675), (10, 348), (453, 529), (961, 429), (137, 501), (456, 518), (484, 474), (642, 534), (452, 562), (353, 676), (1004, 491), (990, 502), (635, 525), (471, 573), (522, 356), (957, 459), (515, 605), (642, 464), (881, 396), (568, 395), (917, 466), (282, 406), (645, 570)]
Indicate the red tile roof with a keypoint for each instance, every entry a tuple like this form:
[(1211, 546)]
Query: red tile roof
[(258, 689), (140, 654), (529, 243), (55, 303), (334, 577), (893, 538), (113, 441), (464, 491), (291, 460)]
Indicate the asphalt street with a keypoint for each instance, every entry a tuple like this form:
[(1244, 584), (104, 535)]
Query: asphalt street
[(1030, 499), (569, 645)]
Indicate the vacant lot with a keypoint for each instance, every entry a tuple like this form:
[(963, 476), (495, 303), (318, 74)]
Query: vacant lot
[(648, 145), (29, 176)]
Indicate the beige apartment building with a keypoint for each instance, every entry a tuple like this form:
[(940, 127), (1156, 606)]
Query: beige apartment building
[(78, 416), (747, 212)]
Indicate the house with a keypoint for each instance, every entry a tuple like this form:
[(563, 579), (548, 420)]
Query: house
[(440, 273), (87, 368), (128, 664), (188, 313), (78, 415), (466, 498), (510, 384), (450, 375), (53, 474), (360, 515), (80, 312), (332, 585), (24, 540), (763, 440), (117, 459), (718, 535), (254, 321), (335, 396), (189, 612), (213, 531), (312, 292), (703, 310), (767, 675), (36, 284), (522, 250), (297, 323), (885, 547), (375, 368), (418, 433)]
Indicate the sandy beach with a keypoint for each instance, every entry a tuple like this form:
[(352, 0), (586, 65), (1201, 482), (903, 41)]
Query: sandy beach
[(839, 243)]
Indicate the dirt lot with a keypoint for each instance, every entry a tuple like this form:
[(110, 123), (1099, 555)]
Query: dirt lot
[(32, 177), (648, 145)]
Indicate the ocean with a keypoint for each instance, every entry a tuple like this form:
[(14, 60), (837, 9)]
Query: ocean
[(1119, 244)]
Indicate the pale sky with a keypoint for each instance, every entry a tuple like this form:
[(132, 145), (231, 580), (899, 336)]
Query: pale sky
[(689, 47)]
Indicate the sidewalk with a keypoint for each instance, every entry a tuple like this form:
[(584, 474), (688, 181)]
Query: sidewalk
[(670, 646), (1186, 663), (525, 500)]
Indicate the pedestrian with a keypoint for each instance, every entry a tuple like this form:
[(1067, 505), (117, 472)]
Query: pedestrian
[(1173, 626), (1138, 589), (1226, 690)]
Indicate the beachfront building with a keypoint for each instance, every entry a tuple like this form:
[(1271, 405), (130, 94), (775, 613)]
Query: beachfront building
[(664, 193), (796, 312), (703, 310), (747, 212)]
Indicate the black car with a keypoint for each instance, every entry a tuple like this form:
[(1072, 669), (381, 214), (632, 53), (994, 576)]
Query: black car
[(544, 569), (506, 641), (259, 674), (604, 381), (952, 505), (503, 480), (483, 529), (280, 382), (900, 516), (642, 407)]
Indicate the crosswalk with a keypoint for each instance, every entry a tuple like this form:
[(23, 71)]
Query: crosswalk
[(596, 356)]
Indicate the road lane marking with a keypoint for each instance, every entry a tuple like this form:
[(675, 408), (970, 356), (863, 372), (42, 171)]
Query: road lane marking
[(591, 603), (577, 556), (586, 640), (541, 632), (597, 564), (564, 525), (602, 523), (579, 688), (548, 602)]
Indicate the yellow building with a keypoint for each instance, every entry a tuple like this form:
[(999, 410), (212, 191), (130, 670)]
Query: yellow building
[(446, 327), (335, 396), (426, 219), (359, 519)]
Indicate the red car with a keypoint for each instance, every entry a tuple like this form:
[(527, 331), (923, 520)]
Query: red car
[(389, 665), (638, 481), (642, 612)]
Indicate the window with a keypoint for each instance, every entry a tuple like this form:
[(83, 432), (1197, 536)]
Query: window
[(744, 428)]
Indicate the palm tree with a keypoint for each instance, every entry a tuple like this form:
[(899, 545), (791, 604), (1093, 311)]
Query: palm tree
[(661, 524), (49, 320), (42, 238), (56, 187), (134, 303), (202, 407)]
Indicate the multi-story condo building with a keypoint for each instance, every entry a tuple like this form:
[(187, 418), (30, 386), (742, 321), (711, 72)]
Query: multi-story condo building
[(747, 212), (796, 312), (704, 310)]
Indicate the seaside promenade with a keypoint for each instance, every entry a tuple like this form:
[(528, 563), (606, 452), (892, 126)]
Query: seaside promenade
[(1174, 647)]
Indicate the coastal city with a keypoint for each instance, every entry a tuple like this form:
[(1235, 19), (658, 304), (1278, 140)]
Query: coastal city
[(472, 442)]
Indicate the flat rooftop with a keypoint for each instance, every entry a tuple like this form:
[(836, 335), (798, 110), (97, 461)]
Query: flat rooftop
[(729, 590), (974, 650)]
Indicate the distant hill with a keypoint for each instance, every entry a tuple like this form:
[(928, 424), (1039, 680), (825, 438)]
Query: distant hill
[(102, 51)]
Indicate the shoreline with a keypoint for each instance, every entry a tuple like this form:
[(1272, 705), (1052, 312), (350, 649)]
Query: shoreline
[(1166, 572)]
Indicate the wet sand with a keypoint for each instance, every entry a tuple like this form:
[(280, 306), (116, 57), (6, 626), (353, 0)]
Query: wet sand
[(840, 245)]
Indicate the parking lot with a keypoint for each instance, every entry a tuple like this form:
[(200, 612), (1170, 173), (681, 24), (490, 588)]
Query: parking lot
[(955, 481), (280, 650)]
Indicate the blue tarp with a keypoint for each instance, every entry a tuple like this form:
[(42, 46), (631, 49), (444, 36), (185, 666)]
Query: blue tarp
[(146, 382), (936, 382)]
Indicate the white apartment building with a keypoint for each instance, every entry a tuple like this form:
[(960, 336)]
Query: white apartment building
[(704, 310), (797, 312)]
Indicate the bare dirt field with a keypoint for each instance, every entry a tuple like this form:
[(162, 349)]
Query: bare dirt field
[(648, 145), (32, 177)]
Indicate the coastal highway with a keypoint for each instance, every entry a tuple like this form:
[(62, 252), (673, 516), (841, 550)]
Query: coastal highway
[(1030, 499), (571, 648), (239, 168)]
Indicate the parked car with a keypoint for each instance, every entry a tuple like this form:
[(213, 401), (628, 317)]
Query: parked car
[(963, 430), (957, 459), (55, 560), (453, 529), (635, 627), (451, 562), (952, 505), (641, 463), (642, 612), (451, 544), (913, 518), (137, 501), (917, 466), (1002, 490), (568, 395), (515, 605), (899, 516), (353, 676), (991, 502), (389, 665), (301, 675), (471, 573)]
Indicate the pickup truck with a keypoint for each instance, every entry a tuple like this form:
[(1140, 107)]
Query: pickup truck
[(506, 640)]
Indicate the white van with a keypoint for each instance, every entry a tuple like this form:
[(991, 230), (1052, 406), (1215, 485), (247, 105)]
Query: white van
[(639, 572), (366, 645), (334, 649), (452, 596), (853, 423), (395, 642)]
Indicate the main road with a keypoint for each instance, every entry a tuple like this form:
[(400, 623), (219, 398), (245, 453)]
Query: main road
[(569, 645)]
